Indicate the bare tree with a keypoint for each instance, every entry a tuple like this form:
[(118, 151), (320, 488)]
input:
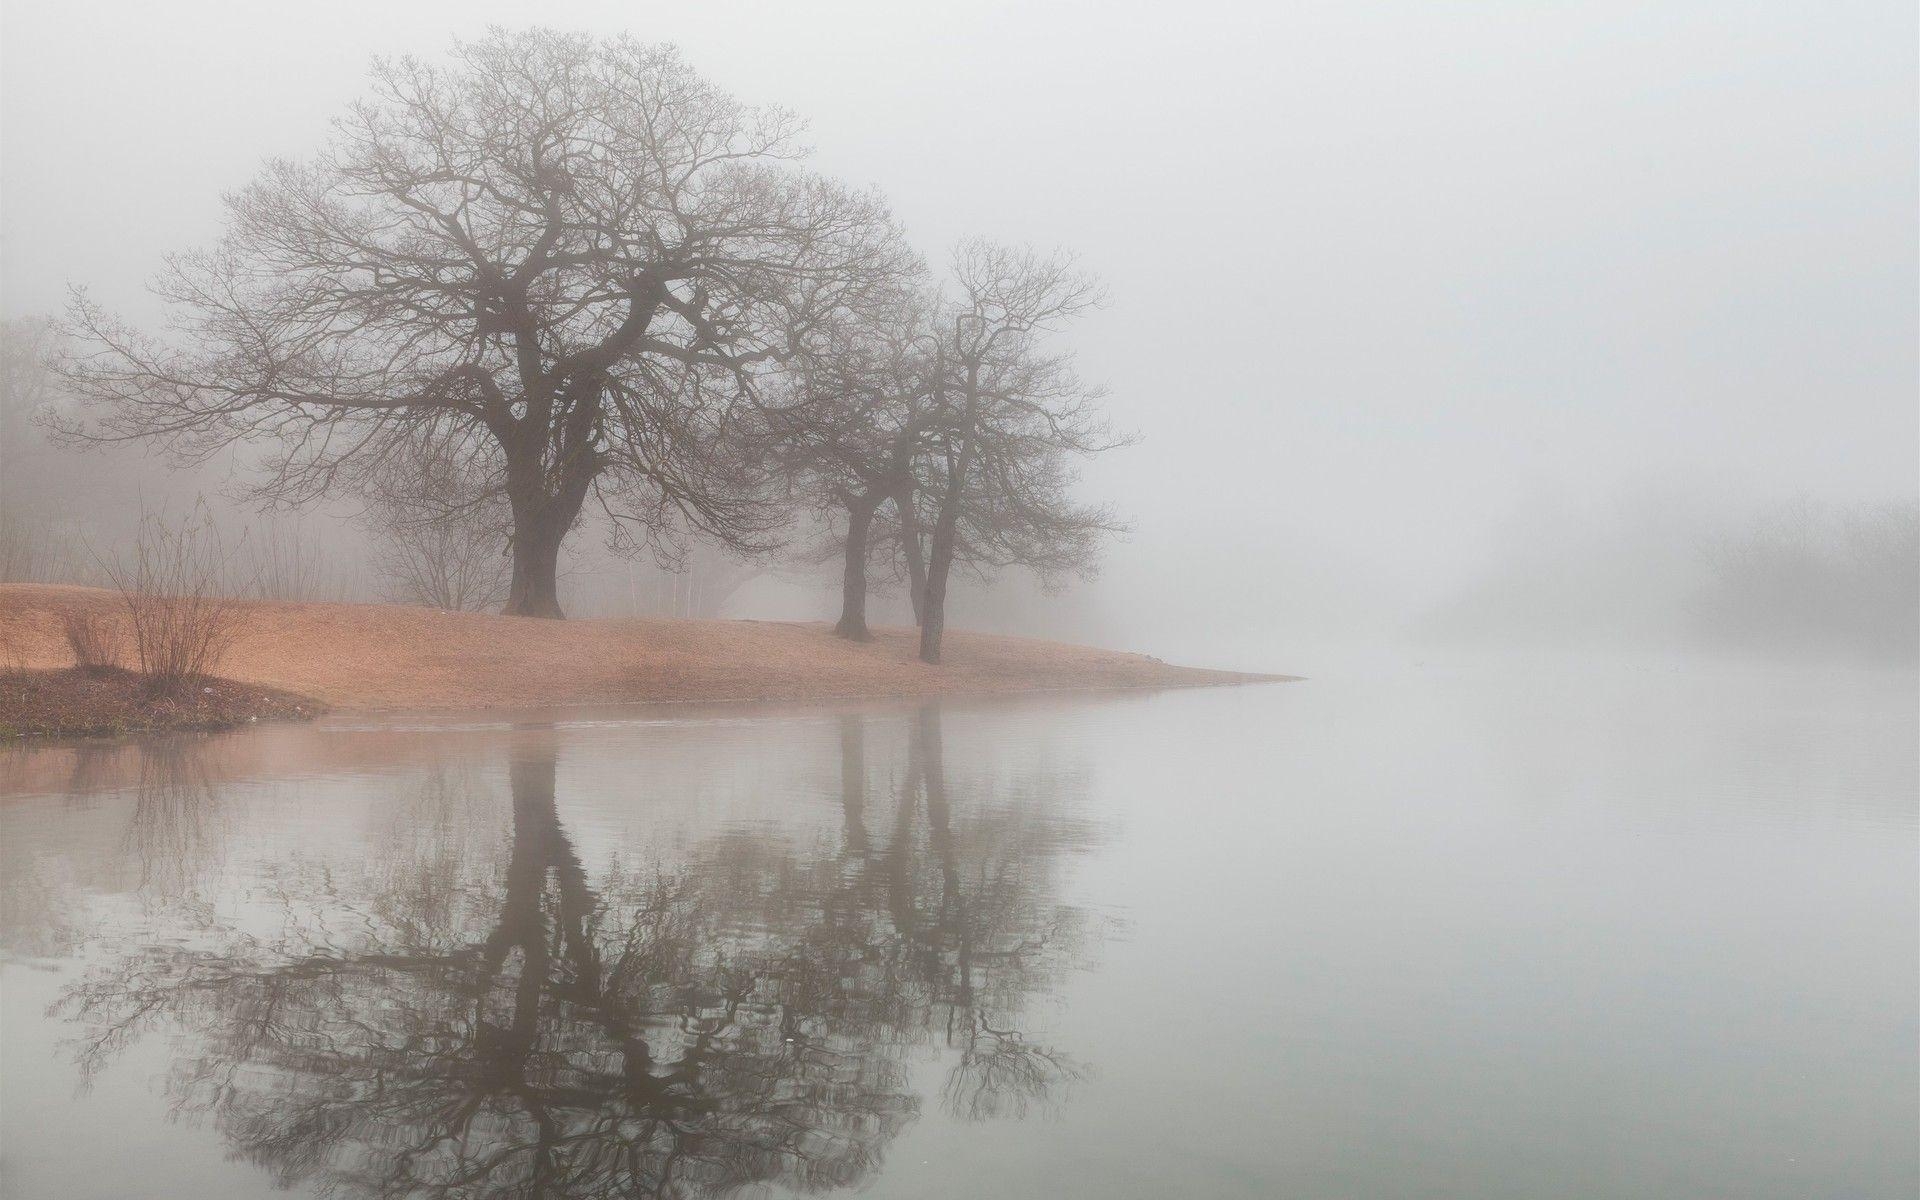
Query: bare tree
[(1011, 415), (25, 547), (952, 414), (568, 257), (451, 562), (856, 414)]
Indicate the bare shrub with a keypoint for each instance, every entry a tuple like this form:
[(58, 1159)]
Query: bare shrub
[(287, 564), (439, 525), (177, 589), (94, 639), (451, 561)]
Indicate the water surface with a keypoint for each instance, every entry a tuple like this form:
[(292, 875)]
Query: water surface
[(1478, 931)]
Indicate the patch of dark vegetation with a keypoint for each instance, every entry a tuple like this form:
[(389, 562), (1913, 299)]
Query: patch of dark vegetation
[(109, 701)]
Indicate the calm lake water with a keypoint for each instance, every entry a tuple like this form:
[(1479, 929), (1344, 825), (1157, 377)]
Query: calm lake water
[(1469, 931)]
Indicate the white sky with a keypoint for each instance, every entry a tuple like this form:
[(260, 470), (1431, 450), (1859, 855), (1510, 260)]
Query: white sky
[(1381, 273)]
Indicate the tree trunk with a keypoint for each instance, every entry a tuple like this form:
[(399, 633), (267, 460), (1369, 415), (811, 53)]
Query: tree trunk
[(933, 610), (541, 521), (853, 582), (535, 590), (916, 555), (546, 499)]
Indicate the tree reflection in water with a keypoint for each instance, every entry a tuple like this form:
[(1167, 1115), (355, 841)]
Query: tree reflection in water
[(167, 845), (448, 1024)]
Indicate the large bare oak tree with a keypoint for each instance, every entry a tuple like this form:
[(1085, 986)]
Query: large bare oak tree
[(564, 258)]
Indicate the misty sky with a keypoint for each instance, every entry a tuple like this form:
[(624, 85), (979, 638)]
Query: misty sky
[(1382, 274)]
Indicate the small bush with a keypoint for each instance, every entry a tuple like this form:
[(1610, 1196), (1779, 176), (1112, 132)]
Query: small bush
[(94, 639), (177, 594)]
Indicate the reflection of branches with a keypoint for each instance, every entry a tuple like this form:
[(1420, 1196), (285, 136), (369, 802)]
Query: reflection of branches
[(740, 1021), (170, 839), (993, 942), (93, 765), (169, 834), (1001, 1074), (579, 1045)]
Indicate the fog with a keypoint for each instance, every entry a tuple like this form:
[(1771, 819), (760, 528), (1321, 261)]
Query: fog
[(1435, 322)]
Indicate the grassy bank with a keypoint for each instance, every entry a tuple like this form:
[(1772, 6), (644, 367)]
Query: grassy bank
[(69, 702), (375, 656)]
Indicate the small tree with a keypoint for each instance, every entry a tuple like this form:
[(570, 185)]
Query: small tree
[(440, 528), (699, 582), (1011, 415), (26, 391), (452, 561), (856, 414), (25, 548)]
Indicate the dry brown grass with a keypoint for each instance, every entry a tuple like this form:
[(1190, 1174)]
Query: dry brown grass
[(367, 656)]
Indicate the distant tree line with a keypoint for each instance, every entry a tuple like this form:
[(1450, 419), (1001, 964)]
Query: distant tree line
[(567, 276), (1798, 576), (1806, 575)]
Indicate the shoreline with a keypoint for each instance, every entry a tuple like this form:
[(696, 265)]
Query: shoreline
[(364, 659), (111, 702)]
